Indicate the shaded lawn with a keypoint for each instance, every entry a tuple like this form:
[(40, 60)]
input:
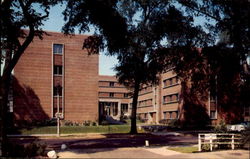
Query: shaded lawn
[(184, 149), (77, 129)]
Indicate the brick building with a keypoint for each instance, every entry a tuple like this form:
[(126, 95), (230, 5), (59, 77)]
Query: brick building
[(56, 75), (113, 98)]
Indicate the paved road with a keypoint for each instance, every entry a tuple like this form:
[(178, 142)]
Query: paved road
[(127, 146), (111, 141)]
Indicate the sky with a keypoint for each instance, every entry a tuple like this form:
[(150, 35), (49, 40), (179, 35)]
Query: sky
[(56, 22)]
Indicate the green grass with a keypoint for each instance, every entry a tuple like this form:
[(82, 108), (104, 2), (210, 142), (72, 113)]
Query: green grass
[(77, 129), (184, 149)]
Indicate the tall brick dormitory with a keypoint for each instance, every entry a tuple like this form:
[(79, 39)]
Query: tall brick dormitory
[(56, 74)]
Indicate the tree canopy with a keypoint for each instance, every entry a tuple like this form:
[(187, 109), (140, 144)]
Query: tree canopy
[(139, 32), (20, 22)]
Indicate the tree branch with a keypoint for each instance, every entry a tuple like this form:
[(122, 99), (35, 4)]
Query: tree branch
[(28, 40)]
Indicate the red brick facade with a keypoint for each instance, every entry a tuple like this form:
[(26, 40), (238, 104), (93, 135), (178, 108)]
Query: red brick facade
[(34, 80), (46, 81)]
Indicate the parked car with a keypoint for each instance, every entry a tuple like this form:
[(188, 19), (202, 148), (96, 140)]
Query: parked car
[(238, 127)]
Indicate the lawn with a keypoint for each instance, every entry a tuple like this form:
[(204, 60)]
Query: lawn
[(77, 129), (188, 149)]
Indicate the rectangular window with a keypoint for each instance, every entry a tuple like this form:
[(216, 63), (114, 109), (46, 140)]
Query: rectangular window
[(212, 114), (57, 48), (165, 115), (124, 108), (170, 115), (176, 80), (111, 94), (247, 111), (57, 91), (171, 81), (111, 84), (57, 70), (170, 98), (125, 95)]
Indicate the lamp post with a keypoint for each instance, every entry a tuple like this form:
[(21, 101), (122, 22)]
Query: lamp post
[(58, 111)]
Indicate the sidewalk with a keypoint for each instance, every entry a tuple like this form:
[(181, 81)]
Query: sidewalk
[(144, 152)]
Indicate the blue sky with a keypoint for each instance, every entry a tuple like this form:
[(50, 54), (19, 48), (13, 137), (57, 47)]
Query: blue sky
[(55, 23), (106, 63)]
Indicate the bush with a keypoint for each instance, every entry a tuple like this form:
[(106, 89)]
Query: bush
[(246, 138), (30, 150), (94, 124), (86, 123), (174, 123), (67, 123), (104, 122), (221, 127), (164, 121), (205, 147)]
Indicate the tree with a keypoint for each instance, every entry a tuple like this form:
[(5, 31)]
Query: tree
[(227, 59), (136, 31), (16, 16)]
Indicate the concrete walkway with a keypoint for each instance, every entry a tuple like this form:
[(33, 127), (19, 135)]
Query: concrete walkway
[(144, 152)]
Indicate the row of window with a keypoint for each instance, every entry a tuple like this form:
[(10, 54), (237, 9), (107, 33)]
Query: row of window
[(170, 81), (170, 115), (111, 94), (171, 98), (143, 103), (145, 90), (109, 84)]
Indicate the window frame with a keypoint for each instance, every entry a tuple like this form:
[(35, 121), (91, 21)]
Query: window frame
[(111, 94), (57, 72), (55, 52)]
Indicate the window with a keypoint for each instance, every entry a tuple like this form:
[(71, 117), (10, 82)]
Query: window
[(125, 95), (57, 70), (170, 98), (171, 81), (165, 115), (212, 97), (115, 109), (57, 48), (57, 91), (124, 108), (213, 115), (170, 115), (247, 111), (111, 84), (111, 94)]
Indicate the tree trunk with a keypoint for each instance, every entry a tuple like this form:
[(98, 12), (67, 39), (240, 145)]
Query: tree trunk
[(4, 91), (133, 129)]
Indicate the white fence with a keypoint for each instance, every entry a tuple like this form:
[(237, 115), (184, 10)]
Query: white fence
[(213, 140)]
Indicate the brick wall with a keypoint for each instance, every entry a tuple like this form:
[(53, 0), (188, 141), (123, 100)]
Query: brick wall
[(33, 75)]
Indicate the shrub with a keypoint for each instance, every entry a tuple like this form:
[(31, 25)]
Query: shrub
[(30, 150), (246, 138), (164, 121), (221, 127), (174, 123), (205, 147), (86, 123), (67, 123), (94, 124), (104, 122)]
